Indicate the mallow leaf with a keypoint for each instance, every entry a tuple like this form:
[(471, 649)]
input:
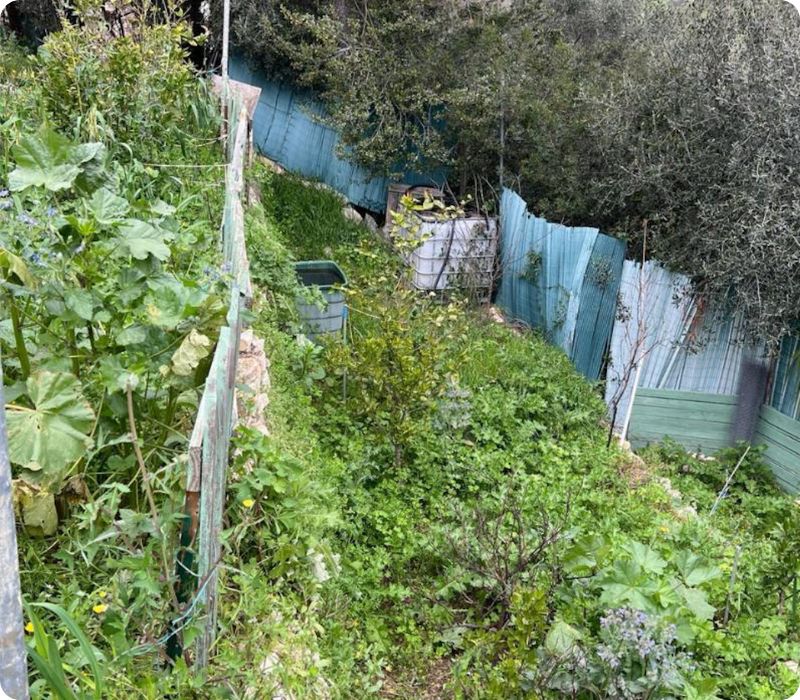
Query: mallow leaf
[(55, 432), (626, 584), (140, 239), (697, 601), (695, 569), (47, 159), (194, 348), (80, 302), (108, 208), (646, 557), (562, 639), (14, 265)]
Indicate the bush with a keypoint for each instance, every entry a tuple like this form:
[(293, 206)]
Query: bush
[(138, 90)]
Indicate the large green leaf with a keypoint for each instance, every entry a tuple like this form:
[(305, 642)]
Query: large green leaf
[(646, 557), (55, 432), (562, 639), (695, 569), (80, 302), (697, 601), (47, 159), (140, 239), (585, 554), (626, 584), (14, 265), (194, 348), (107, 208), (36, 508)]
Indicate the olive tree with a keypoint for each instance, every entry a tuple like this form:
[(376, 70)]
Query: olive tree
[(700, 136)]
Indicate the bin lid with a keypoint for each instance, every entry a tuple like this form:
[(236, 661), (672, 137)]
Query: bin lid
[(319, 273)]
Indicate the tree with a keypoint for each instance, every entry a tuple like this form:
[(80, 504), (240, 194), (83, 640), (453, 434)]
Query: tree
[(700, 137)]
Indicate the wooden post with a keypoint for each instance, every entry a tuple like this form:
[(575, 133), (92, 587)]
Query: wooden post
[(13, 664)]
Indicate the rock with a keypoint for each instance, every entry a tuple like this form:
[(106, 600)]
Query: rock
[(351, 214), (370, 223), (495, 315), (252, 373), (271, 164)]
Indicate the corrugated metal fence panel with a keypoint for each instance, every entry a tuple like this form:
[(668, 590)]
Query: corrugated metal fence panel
[(287, 129), (786, 388), (561, 280), (781, 435), (598, 305), (711, 360), (652, 317), (699, 422), (677, 349)]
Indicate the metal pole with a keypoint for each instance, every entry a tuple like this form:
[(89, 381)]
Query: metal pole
[(226, 29), (13, 665)]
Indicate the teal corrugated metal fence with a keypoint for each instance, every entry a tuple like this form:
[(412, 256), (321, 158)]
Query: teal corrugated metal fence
[(287, 129), (786, 387), (561, 280)]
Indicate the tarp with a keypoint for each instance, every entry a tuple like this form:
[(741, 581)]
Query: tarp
[(287, 128), (561, 280)]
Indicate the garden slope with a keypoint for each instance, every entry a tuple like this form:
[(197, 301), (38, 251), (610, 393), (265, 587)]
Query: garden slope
[(436, 497)]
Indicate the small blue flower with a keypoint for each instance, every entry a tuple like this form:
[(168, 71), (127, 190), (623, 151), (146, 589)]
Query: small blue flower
[(4, 193), (27, 219), (51, 211), (35, 258)]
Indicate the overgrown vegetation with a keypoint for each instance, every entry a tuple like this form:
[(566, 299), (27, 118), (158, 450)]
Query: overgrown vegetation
[(435, 510), (449, 520), (110, 200), (677, 117)]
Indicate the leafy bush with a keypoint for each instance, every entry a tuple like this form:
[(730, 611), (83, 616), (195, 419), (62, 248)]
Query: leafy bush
[(137, 90), (111, 300)]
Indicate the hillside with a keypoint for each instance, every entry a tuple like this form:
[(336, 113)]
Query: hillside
[(429, 507)]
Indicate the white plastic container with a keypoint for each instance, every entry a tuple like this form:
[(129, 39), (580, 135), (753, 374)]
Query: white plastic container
[(457, 254)]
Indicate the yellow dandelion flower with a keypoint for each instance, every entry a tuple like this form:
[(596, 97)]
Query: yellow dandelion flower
[(100, 608), (101, 594), (248, 502), (664, 528), (29, 628)]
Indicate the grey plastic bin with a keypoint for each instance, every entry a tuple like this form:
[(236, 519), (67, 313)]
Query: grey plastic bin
[(329, 278)]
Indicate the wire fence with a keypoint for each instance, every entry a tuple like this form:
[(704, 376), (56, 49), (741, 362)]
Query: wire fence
[(209, 445)]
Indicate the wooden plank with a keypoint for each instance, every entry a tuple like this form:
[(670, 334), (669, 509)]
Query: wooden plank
[(781, 436), (685, 416), (208, 537), (688, 442), (195, 465), (772, 436), (673, 395), (695, 420), (778, 419)]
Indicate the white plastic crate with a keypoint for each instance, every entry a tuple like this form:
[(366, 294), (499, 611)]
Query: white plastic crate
[(456, 254)]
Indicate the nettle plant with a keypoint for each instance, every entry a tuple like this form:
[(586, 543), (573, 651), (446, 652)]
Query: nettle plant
[(104, 318)]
